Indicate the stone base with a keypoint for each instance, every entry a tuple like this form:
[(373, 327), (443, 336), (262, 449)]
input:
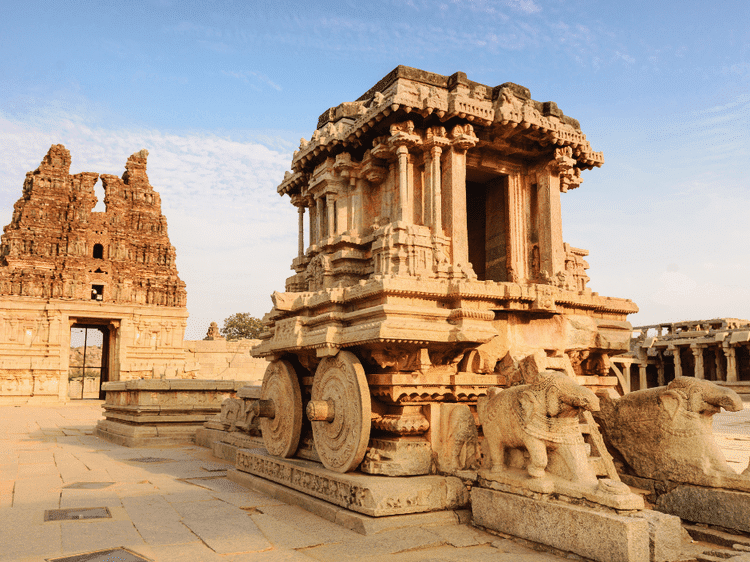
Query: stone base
[(357, 522), (225, 444), (714, 506), (146, 435), (375, 496), (600, 535)]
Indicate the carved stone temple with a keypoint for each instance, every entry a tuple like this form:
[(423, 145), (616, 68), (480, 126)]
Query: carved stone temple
[(62, 265), (431, 261)]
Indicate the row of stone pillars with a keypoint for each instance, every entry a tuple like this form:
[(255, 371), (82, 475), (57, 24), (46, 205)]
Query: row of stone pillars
[(729, 374)]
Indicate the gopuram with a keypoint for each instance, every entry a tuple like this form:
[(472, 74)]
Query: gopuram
[(62, 265)]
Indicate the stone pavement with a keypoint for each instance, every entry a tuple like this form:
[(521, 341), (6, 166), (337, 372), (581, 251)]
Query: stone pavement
[(179, 507), (176, 504)]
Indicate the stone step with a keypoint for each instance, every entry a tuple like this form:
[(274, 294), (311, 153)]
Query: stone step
[(714, 556), (716, 536)]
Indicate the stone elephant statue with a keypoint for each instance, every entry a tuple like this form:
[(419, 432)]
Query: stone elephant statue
[(539, 417), (666, 433)]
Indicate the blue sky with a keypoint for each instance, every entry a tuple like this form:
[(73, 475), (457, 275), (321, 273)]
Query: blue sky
[(221, 92)]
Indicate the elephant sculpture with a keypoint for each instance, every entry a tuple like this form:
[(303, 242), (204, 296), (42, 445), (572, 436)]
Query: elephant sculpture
[(539, 417), (666, 434)]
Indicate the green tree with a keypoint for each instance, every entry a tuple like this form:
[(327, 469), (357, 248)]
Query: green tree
[(241, 325)]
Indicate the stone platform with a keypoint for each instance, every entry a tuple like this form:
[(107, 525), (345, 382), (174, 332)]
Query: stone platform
[(158, 412), (375, 496)]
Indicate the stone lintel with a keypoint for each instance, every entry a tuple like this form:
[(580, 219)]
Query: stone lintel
[(375, 496)]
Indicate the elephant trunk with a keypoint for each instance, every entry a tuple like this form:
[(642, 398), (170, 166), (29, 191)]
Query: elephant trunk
[(727, 399), (587, 400)]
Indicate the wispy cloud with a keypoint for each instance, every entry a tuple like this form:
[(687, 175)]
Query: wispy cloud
[(249, 76)]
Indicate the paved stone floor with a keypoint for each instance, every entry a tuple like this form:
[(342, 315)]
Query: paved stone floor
[(181, 507)]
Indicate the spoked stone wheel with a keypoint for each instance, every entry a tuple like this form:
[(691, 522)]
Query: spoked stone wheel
[(340, 412), (280, 409)]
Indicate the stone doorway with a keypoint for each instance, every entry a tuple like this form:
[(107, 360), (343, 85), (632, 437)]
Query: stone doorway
[(89, 361), (487, 225)]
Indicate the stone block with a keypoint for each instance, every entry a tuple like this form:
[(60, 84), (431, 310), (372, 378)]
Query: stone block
[(225, 451), (357, 522), (598, 535), (371, 495), (724, 508), (249, 391), (665, 534)]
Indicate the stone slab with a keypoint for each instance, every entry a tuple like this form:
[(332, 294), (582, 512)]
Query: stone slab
[(144, 436), (205, 437), (598, 535), (224, 451), (357, 522), (713, 506), (370, 495)]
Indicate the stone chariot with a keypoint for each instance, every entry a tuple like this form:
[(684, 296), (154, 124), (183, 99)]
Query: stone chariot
[(435, 264)]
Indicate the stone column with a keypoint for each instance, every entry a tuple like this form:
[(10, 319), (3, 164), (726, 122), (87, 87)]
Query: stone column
[(454, 205), (720, 374), (660, 370), (330, 215), (677, 362), (310, 203), (301, 232), (642, 378), (516, 231), (551, 250), (698, 354), (404, 211), (730, 353), (435, 198), (319, 220)]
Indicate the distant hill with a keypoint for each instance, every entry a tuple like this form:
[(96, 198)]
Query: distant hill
[(93, 357)]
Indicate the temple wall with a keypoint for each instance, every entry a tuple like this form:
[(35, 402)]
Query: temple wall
[(144, 342), (223, 360)]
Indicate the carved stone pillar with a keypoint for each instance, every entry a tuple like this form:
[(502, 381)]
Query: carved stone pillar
[(642, 378), (720, 374), (330, 215), (549, 221), (516, 231), (677, 362), (433, 200), (404, 211), (660, 370), (730, 353), (454, 205), (299, 202), (699, 368), (319, 220)]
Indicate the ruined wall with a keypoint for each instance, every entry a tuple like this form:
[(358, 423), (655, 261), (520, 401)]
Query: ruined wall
[(220, 359), (61, 264), (57, 247)]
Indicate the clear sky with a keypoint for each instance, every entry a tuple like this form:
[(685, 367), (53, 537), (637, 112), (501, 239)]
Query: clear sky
[(221, 92)]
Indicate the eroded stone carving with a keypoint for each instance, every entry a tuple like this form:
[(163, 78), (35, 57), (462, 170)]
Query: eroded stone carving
[(665, 433), (538, 417)]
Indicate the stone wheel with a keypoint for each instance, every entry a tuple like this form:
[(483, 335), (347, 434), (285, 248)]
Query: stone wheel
[(341, 432), (281, 431)]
